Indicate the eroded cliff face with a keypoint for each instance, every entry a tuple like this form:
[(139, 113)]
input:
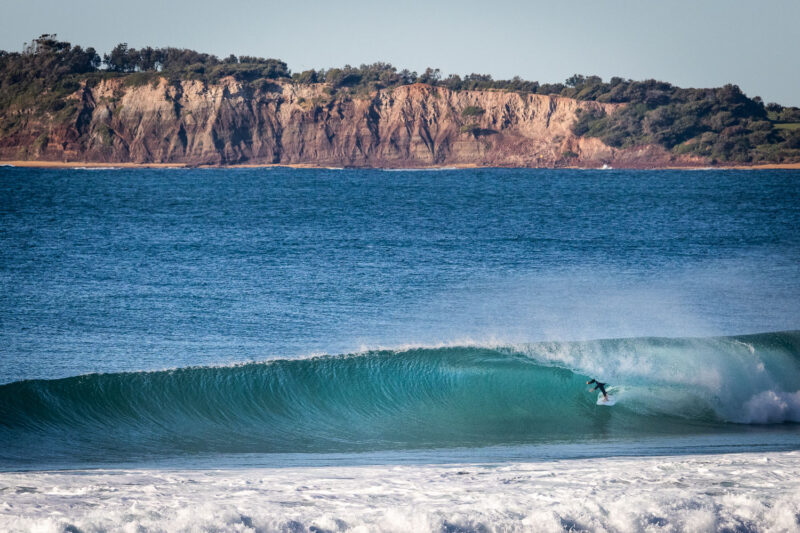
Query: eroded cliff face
[(283, 123)]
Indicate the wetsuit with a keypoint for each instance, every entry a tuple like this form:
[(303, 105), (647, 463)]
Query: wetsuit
[(601, 386)]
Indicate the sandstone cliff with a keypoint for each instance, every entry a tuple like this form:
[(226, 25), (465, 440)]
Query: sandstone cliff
[(283, 123)]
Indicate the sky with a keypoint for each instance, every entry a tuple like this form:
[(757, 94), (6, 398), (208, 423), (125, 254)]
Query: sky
[(690, 43)]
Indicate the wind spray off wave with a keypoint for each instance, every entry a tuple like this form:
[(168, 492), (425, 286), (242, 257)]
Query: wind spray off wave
[(408, 399)]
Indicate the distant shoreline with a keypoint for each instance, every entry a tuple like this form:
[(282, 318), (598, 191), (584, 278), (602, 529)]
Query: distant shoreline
[(95, 165)]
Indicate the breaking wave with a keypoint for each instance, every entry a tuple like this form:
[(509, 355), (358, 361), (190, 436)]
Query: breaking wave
[(409, 399)]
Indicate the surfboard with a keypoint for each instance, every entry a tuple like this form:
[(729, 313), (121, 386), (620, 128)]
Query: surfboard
[(602, 401)]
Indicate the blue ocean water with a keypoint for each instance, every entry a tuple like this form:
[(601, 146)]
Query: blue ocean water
[(207, 312)]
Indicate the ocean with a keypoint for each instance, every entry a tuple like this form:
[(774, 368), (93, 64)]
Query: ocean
[(283, 349)]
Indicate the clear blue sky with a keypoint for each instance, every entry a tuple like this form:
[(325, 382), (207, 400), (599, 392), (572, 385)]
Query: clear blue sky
[(692, 43)]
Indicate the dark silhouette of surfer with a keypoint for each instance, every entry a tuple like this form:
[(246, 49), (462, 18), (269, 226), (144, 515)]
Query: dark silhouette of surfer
[(601, 386)]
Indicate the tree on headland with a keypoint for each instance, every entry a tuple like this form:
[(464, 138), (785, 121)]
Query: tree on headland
[(122, 59), (431, 76)]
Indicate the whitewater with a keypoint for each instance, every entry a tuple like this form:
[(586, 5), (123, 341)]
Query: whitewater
[(355, 350), (734, 492)]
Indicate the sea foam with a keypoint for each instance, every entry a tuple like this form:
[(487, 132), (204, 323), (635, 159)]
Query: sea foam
[(736, 492)]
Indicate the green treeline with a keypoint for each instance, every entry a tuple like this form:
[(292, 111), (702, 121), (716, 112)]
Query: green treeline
[(719, 123)]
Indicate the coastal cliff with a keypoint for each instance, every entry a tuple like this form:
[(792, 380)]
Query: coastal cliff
[(230, 122)]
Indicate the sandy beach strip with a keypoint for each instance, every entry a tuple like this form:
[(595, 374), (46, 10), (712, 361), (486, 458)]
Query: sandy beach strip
[(96, 165)]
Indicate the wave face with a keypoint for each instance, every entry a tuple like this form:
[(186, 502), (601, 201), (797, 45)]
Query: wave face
[(409, 399)]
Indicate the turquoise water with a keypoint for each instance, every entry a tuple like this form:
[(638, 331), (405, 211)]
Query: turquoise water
[(152, 314)]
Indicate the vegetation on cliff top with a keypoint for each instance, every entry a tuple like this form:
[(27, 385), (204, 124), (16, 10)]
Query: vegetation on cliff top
[(722, 124)]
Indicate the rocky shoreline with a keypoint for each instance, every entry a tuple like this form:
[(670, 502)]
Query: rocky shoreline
[(85, 164)]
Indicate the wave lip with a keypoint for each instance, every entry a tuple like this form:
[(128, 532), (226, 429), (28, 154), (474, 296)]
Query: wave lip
[(409, 399)]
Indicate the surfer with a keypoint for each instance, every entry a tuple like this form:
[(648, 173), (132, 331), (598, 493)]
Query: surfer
[(601, 386)]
